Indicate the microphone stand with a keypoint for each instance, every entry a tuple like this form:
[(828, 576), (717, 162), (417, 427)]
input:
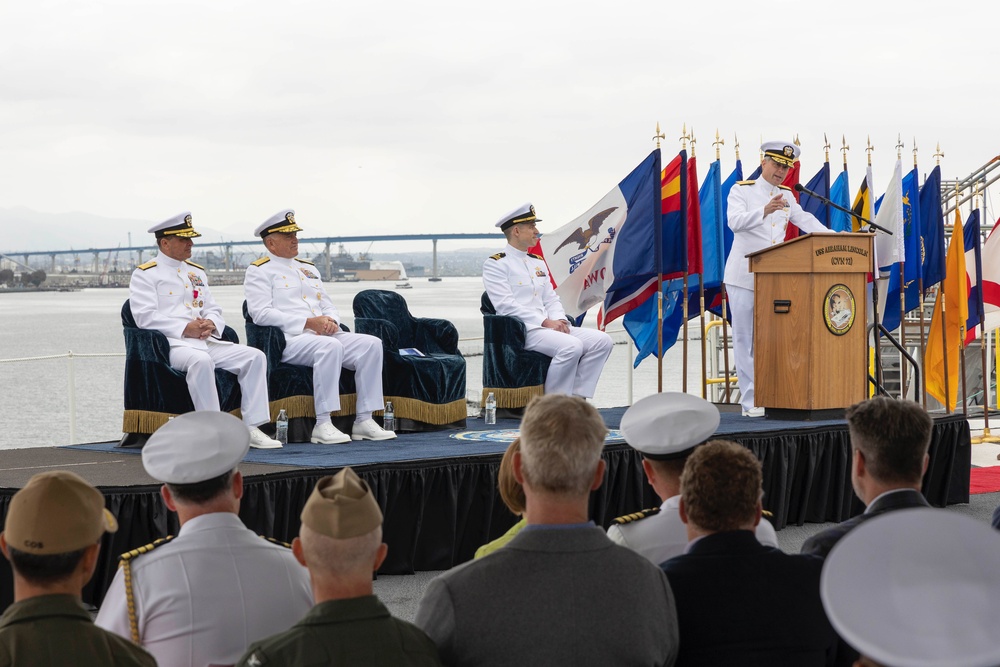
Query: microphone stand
[(877, 326)]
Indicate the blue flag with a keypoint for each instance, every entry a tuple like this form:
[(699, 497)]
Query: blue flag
[(640, 323), (713, 297), (713, 227), (976, 314), (911, 261), (932, 229), (820, 184), (840, 194)]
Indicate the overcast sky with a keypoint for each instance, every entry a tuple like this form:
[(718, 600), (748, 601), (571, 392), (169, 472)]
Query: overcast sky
[(386, 117)]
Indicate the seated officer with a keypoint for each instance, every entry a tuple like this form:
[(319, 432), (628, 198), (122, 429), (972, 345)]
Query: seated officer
[(52, 537), (286, 292), (202, 597), (340, 541), (170, 294), (518, 284)]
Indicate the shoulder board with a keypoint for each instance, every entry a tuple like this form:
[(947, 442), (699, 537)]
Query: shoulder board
[(197, 266), (499, 255), (534, 256), (278, 542), (145, 549), (304, 261), (637, 516), (147, 265), (261, 261), (745, 182), (785, 187)]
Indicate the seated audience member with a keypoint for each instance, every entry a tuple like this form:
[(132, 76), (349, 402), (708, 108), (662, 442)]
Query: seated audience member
[(202, 597), (51, 537), (739, 602), (340, 541), (889, 443), (519, 286), (512, 495), (917, 587), (560, 592), (665, 428)]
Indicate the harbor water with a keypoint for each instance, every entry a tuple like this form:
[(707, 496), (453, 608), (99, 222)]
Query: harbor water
[(35, 400)]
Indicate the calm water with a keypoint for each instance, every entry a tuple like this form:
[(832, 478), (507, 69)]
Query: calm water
[(35, 396)]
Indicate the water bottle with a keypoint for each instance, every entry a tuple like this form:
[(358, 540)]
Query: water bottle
[(281, 428), (491, 409), (388, 417)]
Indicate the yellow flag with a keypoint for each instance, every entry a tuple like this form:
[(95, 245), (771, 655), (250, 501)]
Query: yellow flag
[(956, 307), (863, 204)]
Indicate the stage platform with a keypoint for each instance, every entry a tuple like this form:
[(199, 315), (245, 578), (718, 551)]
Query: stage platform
[(438, 489)]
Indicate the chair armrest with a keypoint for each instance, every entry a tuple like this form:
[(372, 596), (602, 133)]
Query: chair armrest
[(383, 329), (503, 329), (229, 334), (436, 335), (147, 345)]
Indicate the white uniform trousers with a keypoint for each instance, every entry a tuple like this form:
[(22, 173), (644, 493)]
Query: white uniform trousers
[(248, 363), (577, 358), (360, 353), (741, 307)]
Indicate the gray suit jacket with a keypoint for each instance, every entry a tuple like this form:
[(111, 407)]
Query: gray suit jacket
[(553, 597), (821, 543)]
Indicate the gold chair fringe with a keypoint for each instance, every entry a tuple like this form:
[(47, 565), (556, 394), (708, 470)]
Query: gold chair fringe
[(305, 406), (517, 397), (428, 413), (146, 421)]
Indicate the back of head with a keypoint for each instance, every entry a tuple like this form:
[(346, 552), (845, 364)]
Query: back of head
[(893, 435), (51, 522), (721, 486), (511, 491), (561, 442)]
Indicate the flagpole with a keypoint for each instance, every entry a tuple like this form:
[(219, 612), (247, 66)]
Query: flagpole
[(659, 297), (902, 292), (985, 437), (701, 298), (923, 324), (961, 330), (877, 337), (684, 138), (843, 149), (722, 287)]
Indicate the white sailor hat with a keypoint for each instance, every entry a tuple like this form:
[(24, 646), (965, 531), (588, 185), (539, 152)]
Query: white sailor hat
[(917, 588), (179, 225), (196, 446), (669, 425), (782, 152), (282, 221), (523, 213)]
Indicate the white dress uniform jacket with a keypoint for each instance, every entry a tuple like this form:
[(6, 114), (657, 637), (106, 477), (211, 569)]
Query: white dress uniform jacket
[(202, 598), (661, 536), (518, 285), (166, 295), (284, 293)]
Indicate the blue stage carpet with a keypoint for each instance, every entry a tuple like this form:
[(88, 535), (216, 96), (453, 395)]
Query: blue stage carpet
[(477, 439)]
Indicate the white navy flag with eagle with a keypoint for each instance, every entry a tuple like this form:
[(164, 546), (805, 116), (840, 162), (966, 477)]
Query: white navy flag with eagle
[(607, 255)]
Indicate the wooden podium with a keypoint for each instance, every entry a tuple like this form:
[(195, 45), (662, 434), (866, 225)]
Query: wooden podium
[(810, 347)]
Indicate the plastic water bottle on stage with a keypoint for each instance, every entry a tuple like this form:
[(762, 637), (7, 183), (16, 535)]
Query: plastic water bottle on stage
[(491, 409), (281, 428), (389, 417)]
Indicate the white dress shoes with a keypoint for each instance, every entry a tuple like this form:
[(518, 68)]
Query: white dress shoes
[(327, 434), (369, 430), (754, 412), (260, 441)]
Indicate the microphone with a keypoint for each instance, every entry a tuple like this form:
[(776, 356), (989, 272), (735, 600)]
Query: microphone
[(799, 188)]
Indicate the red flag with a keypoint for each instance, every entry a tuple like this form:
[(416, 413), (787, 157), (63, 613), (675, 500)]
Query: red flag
[(791, 180)]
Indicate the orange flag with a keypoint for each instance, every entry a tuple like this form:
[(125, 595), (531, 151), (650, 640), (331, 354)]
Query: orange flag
[(956, 311)]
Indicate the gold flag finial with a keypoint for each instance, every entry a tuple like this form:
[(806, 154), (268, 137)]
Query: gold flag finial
[(718, 142), (826, 147), (736, 144), (684, 137), (762, 147), (938, 155), (899, 146), (914, 152), (797, 142), (844, 148), (659, 135), (693, 141), (869, 150), (975, 195)]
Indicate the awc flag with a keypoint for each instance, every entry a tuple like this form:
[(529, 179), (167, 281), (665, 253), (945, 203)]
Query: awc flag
[(604, 255), (956, 312)]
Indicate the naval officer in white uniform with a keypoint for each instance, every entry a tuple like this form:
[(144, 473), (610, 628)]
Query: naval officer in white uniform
[(170, 294), (666, 428), (759, 212), (517, 283), (286, 292), (202, 597)]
